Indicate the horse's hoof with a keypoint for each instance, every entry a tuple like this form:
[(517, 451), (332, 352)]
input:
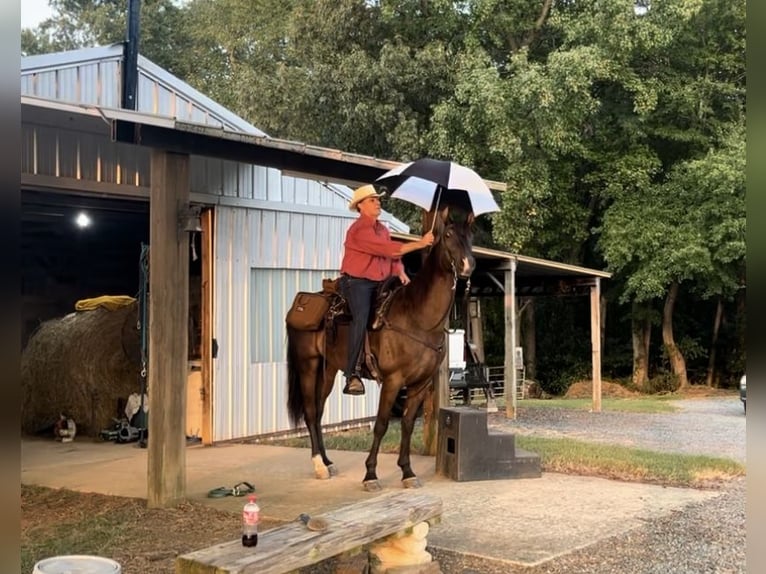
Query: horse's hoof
[(333, 470), (372, 485), (320, 470), (412, 482)]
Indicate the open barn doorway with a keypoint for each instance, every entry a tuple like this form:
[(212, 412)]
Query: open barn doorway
[(78, 246)]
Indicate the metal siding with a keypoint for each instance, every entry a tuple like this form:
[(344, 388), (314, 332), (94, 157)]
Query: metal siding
[(68, 85), (230, 176), (274, 184), (257, 273), (89, 85), (50, 151), (108, 84), (245, 174)]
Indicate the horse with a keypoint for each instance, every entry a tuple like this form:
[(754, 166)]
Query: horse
[(409, 348)]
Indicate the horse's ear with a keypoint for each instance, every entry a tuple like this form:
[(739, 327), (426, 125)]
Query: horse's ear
[(444, 213), (469, 221)]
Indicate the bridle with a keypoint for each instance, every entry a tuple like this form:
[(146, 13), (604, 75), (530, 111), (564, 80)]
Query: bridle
[(438, 348)]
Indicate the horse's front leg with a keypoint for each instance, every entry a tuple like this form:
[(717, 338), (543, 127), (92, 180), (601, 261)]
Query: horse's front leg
[(387, 396), (411, 406)]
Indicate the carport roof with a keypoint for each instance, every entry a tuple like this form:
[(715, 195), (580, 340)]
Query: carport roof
[(534, 276)]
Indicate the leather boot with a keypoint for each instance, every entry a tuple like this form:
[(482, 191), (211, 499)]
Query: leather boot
[(354, 386)]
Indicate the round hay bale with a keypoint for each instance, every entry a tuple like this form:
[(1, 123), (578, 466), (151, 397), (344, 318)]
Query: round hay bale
[(84, 365)]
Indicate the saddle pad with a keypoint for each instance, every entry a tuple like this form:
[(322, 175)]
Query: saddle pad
[(307, 312)]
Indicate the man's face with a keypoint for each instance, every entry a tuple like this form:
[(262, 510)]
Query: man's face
[(370, 207)]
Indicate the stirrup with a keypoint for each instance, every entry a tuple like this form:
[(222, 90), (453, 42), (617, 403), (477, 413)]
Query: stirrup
[(354, 386)]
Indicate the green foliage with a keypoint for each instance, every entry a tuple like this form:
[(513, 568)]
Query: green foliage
[(622, 463)]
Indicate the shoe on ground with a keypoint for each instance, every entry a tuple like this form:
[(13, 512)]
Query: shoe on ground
[(354, 386)]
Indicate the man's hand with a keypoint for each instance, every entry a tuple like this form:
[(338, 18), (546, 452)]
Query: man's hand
[(403, 278), (427, 239)]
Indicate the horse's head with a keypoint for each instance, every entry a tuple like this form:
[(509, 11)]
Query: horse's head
[(454, 242)]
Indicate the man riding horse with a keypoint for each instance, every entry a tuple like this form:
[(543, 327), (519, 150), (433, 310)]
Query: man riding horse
[(370, 257)]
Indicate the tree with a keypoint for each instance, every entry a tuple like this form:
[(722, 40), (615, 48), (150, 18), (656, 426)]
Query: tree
[(83, 23), (688, 231)]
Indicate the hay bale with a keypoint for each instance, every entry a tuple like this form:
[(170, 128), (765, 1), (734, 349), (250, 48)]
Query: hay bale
[(83, 365)]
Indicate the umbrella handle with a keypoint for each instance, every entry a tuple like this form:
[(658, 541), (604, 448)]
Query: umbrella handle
[(436, 208)]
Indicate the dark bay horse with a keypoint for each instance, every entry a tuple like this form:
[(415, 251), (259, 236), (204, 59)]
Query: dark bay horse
[(409, 349)]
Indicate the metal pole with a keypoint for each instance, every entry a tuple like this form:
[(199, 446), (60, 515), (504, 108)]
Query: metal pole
[(130, 57)]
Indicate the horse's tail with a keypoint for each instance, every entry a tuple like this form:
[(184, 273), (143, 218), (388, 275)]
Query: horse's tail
[(294, 391)]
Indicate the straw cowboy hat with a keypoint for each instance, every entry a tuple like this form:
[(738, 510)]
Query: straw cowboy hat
[(362, 193)]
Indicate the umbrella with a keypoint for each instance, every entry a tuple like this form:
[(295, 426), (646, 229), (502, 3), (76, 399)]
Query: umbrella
[(429, 182)]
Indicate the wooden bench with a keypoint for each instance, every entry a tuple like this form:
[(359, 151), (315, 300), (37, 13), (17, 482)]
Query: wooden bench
[(292, 546)]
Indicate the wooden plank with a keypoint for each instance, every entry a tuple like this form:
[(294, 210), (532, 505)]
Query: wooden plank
[(292, 546), (595, 339), (509, 364), (168, 330)]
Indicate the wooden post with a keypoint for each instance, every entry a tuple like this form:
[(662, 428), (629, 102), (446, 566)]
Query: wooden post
[(436, 397), (509, 367), (474, 327), (168, 329), (207, 326), (595, 341)]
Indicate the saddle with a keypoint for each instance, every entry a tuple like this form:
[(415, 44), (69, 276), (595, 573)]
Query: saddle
[(339, 313)]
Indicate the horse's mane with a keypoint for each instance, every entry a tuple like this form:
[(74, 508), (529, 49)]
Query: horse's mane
[(414, 296)]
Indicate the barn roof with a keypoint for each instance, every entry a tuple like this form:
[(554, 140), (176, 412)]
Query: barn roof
[(90, 79)]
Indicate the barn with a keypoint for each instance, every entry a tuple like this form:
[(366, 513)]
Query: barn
[(263, 234)]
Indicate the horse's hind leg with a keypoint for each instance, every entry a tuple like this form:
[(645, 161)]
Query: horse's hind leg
[(313, 407), (326, 385)]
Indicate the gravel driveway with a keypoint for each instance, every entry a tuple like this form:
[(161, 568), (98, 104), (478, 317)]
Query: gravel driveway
[(710, 426), (708, 537)]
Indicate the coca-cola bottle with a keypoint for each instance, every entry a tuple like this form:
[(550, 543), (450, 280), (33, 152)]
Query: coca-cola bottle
[(251, 515)]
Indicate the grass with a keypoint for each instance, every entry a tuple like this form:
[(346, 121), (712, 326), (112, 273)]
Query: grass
[(630, 464), (570, 456)]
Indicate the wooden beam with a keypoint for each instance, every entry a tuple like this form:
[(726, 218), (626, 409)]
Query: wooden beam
[(595, 341), (207, 326), (292, 547), (509, 367), (168, 329)]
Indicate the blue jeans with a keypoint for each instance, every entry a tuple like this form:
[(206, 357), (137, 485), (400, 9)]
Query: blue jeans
[(359, 293)]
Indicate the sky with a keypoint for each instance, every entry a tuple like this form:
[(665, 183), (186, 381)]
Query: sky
[(33, 12)]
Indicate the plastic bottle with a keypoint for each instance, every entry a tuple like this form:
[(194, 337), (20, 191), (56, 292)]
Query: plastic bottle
[(251, 515)]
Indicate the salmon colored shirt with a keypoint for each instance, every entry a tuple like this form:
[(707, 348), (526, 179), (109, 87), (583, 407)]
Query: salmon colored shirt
[(370, 253)]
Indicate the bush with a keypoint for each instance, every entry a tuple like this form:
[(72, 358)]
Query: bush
[(662, 383)]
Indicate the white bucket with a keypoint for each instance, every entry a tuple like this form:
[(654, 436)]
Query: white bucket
[(77, 565)]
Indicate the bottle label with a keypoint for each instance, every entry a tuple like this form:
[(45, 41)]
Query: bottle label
[(251, 517)]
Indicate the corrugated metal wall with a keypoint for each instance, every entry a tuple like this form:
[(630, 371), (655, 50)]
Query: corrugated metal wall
[(262, 259), (47, 150)]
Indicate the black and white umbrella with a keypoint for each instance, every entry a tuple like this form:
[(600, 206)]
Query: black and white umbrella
[(429, 183)]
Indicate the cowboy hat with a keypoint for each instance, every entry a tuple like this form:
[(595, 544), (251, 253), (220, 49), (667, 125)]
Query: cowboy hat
[(362, 193)]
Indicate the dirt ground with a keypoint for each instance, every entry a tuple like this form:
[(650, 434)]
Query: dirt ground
[(141, 540)]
